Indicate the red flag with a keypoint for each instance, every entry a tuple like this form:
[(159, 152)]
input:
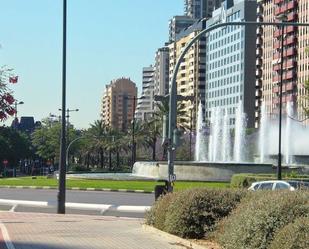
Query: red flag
[(13, 80)]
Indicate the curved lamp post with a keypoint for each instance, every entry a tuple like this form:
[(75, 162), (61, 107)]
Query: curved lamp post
[(173, 88)]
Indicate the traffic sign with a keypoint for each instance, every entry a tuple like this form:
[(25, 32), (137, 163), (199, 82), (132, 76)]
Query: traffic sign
[(172, 178)]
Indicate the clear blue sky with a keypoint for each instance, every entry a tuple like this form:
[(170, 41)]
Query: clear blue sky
[(107, 39)]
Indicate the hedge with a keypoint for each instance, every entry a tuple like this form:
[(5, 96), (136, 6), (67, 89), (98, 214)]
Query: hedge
[(245, 180), (292, 236), (193, 213), (259, 216)]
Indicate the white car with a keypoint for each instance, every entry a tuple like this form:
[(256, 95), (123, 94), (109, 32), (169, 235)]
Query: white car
[(271, 185)]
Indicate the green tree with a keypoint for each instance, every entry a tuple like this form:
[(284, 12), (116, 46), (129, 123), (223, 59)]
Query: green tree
[(14, 146)]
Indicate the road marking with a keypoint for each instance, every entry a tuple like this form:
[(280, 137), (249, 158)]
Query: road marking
[(85, 206), (13, 208), (6, 237)]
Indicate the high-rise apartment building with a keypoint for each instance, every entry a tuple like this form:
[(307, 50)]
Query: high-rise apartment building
[(191, 74), (295, 59), (177, 24), (118, 103), (198, 9), (230, 61), (145, 104), (161, 72)]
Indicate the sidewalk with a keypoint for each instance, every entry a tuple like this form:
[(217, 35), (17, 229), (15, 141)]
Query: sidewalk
[(52, 231)]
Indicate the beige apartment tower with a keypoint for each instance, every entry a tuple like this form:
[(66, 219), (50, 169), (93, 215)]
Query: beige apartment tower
[(191, 74), (295, 59), (118, 103)]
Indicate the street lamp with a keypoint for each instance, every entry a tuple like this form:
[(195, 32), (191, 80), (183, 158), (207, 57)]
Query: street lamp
[(68, 119), (62, 165), (16, 104), (282, 18)]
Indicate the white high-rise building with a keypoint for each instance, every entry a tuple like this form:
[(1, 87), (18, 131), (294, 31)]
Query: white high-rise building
[(145, 103), (161, 71)]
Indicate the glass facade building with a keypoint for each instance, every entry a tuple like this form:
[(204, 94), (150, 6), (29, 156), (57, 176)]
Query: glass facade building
[(230, 61)]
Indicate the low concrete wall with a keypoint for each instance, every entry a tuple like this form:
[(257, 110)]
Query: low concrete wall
[(196, 171)]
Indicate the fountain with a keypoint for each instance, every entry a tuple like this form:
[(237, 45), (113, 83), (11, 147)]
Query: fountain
[(200, 145), (226, 137), (240, 132), (226, 154), (288, 127), (262, 133)]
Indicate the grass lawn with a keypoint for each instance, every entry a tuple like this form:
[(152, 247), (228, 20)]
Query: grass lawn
[(110, 184)]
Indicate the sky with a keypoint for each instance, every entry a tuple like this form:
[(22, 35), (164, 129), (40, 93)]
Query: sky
[(106, 39)]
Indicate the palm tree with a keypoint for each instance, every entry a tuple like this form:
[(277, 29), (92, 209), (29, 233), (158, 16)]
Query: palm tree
[(97, 135)]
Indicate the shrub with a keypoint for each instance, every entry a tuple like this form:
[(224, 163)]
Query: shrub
[(193, 213), (259, 216), (157, 214), (293, 235), (245, 180)]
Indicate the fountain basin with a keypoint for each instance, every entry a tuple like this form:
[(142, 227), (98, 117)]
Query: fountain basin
[(206, 171)]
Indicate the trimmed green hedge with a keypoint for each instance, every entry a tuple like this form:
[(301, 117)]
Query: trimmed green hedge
[(245, 180), (253, 224), (292, 236), (193, 213)]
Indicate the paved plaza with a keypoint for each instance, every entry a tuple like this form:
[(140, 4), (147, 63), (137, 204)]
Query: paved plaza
[(52, 231)]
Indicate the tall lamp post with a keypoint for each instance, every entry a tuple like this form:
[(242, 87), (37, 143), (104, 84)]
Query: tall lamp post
[(16, 104), (282, 18), (62, 166), (68, 119)]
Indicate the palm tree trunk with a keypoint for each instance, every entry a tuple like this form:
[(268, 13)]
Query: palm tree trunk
[(154, 143), (88, 160), (110, 160), (118, 159), (101, 158)]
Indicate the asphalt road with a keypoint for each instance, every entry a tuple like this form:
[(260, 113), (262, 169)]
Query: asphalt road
[(91, 197)]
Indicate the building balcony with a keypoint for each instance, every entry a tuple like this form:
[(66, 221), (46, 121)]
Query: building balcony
[(258, 73), (290, 52), (276, 79), (259, 51), (277, 44), (289, 75), (259, 40), (290, 64), (285, 87), (291, 5), (259, 9), (259, 19), (290, 40), (291, 29), (292, 16), (277, 33), (276, 67), (258, 93), (259, 30), (258, 83), (257, 103), (258, 62), (276, 56)]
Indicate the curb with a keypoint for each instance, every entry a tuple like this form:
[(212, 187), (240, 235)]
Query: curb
[(82, 189), (188, 244)]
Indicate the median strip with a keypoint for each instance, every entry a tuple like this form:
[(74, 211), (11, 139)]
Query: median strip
[(78, 188)]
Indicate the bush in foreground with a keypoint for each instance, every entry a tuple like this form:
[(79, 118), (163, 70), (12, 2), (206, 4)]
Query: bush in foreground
[(193, 213), (292, 236), (157, 215), (259, 216)]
